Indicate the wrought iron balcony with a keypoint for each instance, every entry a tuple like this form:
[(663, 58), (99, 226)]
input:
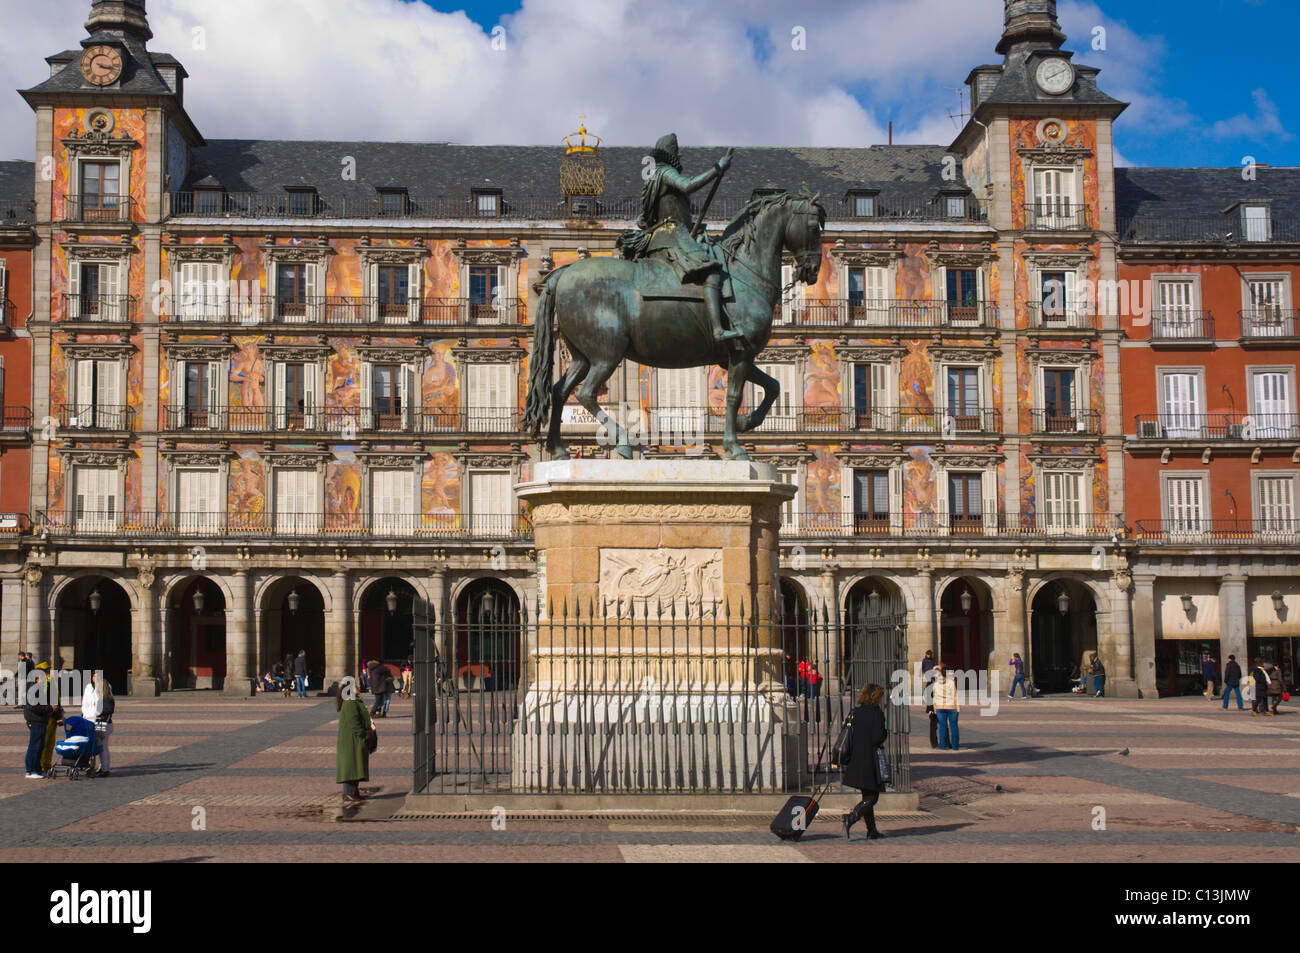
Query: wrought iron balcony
[(886, 314), (1208, 230), (1194, 531), (988, 524), (216, 307), (1202, 428), (91, 416), (1060, 318), (1179, 326), (317, 525), (97, 208), (667, 424), (1065, 423), (342, 420), (1265, 324), (1057, 217), (15, 418), (111, 309)]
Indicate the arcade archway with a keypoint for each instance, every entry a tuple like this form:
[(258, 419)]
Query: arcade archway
[(966, 625), (388, 610), (197, 637), (93, 626), (1063, 626), (488, 637), (293, 620)]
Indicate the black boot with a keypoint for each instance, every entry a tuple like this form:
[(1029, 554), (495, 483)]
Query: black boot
[(850, 819), (713, 302), (872, 832)]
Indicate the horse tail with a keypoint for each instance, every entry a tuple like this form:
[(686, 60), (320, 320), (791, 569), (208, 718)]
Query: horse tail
[(537, 406)]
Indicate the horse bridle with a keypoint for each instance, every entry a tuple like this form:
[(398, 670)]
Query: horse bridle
[(804, 260)]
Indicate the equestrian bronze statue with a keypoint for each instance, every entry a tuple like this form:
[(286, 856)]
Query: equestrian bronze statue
[(655, 307)]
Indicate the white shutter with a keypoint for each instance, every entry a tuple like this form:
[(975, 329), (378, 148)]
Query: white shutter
[(408, 507), (787, 297), (846, 499), (1184, 504), (96, 498), (792, 508), (500, 304), (878, 294), (189, 287), (216, 412), (1176, 302), (110, 307), (367, 396), (414, 277), (1272, 417), (404, 394), (988, 486), (180, 394), (896, 499), (1181, 405), (74, 291), (490, 501), (197, 505), (1073, 311), (311, 378), (278, 399), (311, 276), (1277, 504), (109, 412), (296, 511), (82, 414), (387, 499), (880, 409)]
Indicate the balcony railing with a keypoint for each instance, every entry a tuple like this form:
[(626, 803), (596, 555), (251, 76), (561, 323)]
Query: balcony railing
[(110, 417), (1265, 323), (97, 208), (887, 314), (1057, 217), (1058, 422), (107, 308), (1056, 318), (942, 524), (1208, 230), (339, 420), (1179, 325), (1207, 427), (330, 526), (15, 418), (220, 309), (1282, 530), (667, 424)]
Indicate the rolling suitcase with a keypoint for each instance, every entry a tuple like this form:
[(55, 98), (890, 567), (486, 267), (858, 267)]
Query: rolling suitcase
[(795, 817)]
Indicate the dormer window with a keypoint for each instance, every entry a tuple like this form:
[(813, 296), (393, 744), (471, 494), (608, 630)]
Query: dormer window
[(487, 202), (954, 206), (301, 200), (764, 191), (393, 202), (863, 204), (1255, 223), (207, 201)]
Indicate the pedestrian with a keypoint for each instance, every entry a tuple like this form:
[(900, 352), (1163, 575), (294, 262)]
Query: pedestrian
[(97, 704), (927, 662), (300, 672), (814, 681), (1276, 686), (947, 709), (288, 673), (928, 677), (1018, 676), (22, 674), (1097, 672), (1076, 678), (379, 678), (408, 676), (352, 754), (1232, 682), (1210, 672), (861, 771), (41, 717), (1260, 704)]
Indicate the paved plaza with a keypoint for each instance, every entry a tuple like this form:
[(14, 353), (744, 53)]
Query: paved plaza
[(1178, 780)]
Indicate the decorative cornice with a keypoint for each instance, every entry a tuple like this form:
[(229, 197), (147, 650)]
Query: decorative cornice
[(971, 354), (488, 355), (778, 459), (1053, 153), (197, 350), (874, 459), (177, 253), (960, 257), (877, 354), (196, 458), (295, 352), (305, 253), (400, 459), (393, 353), (785, 353), (1057, 258), (488, 256), (972, 461), (495, 461), (1071, 355), (391, 255), (97, 350), (296, 458), (97, 456), (100, 144), (1064, 461), (869, 257), (82, 251)]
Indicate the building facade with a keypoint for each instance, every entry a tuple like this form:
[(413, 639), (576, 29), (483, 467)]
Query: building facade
[(285, 379)]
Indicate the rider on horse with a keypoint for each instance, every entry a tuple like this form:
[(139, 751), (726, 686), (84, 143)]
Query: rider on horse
[(664, 228)]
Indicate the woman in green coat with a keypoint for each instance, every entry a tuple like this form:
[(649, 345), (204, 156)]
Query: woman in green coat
[(352, 757)]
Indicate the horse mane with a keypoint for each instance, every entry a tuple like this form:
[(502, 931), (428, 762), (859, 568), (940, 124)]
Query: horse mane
[(740, 234)]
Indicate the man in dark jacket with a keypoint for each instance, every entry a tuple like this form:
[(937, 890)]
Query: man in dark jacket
[(1260, 705), (860, 771), (1231, 682), (1210, 672), (38, 718), (288, 673), (377, 676), (300, 672)]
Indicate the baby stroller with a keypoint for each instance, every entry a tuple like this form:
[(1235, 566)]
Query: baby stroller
[(80, 747)]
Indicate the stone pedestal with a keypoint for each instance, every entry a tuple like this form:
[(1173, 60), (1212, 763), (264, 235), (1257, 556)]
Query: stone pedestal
[(657, 663)]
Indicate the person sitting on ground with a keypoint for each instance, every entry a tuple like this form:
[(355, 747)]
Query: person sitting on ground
[(1076, 678)]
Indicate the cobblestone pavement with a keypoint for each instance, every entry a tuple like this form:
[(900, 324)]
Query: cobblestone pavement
[(1172, 780)]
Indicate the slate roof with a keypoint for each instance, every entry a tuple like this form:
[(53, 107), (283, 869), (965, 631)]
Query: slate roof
[(1017, 86), (139, 75), (906, 176), (17, 192), (1200, 204)]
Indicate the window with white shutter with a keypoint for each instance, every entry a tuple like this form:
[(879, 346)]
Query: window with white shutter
[(870, 295), (199, 501), (1257, 223), (491, 502), (200, 292), (296, 502), (392, 501), (793, 508), (1176, 304), (1063, 501), (783, 417), (1275, 504), (1180, 404), (95, 499), (1185, 505), (490, 398), (791, 295), (1054, 202), (682, 411), (1273, 409), (97, 401), (1267, 312)]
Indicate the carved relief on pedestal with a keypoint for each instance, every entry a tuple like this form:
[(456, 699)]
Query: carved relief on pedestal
[(680, 580)]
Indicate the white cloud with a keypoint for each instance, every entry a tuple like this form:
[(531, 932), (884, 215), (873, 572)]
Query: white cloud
[(1265, 124)]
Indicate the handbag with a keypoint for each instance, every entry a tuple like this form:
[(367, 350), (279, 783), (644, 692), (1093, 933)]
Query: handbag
[(842, 748), (372, 740), (882, 765)]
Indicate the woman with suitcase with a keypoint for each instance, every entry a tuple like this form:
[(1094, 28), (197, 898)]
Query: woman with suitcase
[(860, 770)]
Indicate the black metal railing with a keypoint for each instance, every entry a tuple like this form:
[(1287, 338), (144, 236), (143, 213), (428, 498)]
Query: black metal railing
[(1057, 217), (107, 308), (340, 420), (940, 523), (1059, 422), (635, 698), (1265, 323), (1285, 530), (1061, 318), (7, 313), (92, 416), (1180, 325), (1207, 230), (97, 208), (666, 423), (216, 526), (885, 313), (15, 417), (1205, 427), (219, 308)]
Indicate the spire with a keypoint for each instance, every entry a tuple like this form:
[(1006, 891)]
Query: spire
[(1031, 23), (119, 18)]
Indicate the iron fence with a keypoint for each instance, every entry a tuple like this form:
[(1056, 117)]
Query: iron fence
[(210, 526), (1069, 521), (645, 698)]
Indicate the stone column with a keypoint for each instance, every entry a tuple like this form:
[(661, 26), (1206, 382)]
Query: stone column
[(1128, 665), (923, 633), (144, 637), (1142, 618), (241, 638), (33, 636), (833, 665), (1232, 620), (11, 621), (1009, 632), (338, 630), (438, 602)]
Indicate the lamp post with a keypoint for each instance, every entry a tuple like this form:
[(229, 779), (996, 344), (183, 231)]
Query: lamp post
[(391, 602), (293, 601), (965, 600), (199, 598), (1062, 601)]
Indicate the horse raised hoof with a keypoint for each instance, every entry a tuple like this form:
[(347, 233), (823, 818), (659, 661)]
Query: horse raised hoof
[(559, 453)]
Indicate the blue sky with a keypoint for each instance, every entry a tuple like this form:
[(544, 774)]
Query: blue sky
[(1225, 66)]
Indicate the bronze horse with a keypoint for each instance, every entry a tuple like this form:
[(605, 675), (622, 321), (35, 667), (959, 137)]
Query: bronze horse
[(610, 310)]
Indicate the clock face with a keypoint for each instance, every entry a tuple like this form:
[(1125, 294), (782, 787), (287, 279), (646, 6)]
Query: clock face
[(101, 65), (1054, 76)]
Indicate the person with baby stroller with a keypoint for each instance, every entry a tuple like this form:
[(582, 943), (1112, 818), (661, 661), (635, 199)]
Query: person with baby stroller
[(97, 705)]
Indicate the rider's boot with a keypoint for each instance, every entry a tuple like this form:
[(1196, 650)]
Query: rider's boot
[(713, 303)]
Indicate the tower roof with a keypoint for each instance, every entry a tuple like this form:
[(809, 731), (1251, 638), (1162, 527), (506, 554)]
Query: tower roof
[(1030, 22), (118, 18)]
